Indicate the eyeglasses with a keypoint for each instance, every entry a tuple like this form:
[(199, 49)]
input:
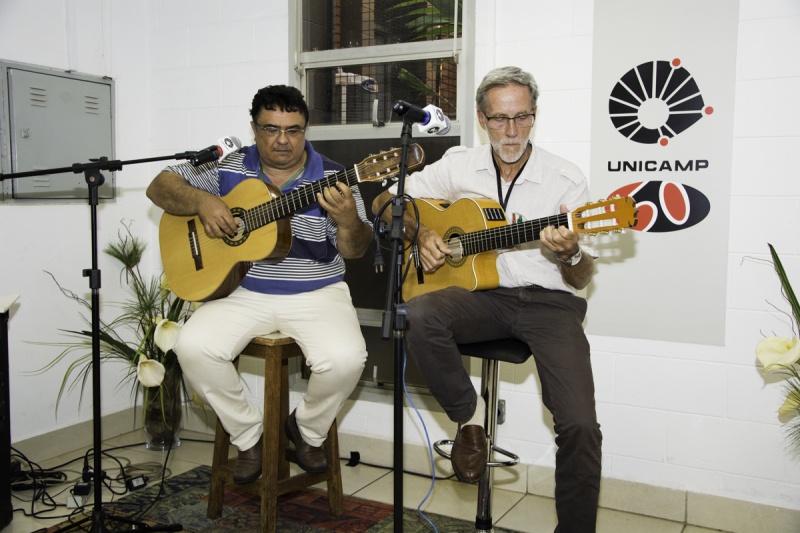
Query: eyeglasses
[(500, 123), (274, 131)]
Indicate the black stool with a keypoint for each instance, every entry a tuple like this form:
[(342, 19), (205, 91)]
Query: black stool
[(492, 353)]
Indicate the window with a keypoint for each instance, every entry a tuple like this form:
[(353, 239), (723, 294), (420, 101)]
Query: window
[(355, 58)]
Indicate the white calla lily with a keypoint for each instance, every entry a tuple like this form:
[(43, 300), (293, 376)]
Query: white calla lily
[(150, 372), (166, 334), (778, 352)]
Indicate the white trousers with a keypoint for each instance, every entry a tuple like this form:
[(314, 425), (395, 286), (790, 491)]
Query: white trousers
[(325, 326)]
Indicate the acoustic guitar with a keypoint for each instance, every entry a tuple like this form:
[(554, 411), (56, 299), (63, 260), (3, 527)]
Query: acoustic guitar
[(475, 228), (201, 268)]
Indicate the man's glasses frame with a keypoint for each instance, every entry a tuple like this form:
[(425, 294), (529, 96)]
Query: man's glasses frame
[(269, 130), (499, 122)]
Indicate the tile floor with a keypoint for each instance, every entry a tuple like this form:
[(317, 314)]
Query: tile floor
[(510, 509)]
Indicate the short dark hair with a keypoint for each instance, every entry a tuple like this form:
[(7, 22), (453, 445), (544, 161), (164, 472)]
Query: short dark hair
[(279, 98)]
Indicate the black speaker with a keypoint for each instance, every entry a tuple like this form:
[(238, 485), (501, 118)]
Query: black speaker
[(6, 510)]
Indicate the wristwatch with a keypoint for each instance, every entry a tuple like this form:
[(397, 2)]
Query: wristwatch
[(572, 260)]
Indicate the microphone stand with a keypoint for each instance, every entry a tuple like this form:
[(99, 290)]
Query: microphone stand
[(394, 319), (94, 179)]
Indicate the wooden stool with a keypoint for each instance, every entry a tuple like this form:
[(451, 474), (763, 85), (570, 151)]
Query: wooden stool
[(275, 350)]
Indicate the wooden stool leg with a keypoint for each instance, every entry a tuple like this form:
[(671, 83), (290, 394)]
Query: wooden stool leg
[(335, 493), (274, 388), (219, 464)]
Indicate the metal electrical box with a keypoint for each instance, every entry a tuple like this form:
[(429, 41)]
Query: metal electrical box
[(51, 119)]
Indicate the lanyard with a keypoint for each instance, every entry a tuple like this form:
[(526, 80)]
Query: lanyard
[(504, 201)]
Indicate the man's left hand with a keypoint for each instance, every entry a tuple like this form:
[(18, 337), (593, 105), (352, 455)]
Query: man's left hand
[(338, 201), (560, 240)]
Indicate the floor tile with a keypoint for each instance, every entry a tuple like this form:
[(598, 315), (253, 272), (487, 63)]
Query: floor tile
[(609, 521), (448, 498), (533, 514)]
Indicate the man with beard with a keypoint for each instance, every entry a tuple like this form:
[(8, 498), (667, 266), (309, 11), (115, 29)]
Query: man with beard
[(536, 301)]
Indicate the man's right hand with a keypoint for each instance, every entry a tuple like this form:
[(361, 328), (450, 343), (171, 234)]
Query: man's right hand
[(432, 249), (216, 217)]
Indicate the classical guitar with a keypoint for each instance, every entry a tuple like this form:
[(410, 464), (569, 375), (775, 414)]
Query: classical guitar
[(201, 268), (475, 228)]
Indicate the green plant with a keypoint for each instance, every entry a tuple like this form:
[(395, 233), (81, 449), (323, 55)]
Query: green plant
[(151, 316), (427, 19), (781, 355)]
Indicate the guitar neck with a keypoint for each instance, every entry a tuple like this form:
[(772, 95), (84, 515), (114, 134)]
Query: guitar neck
[(284, 206), (507, 236)]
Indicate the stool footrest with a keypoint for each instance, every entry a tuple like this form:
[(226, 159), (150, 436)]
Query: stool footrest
[(513, 459)]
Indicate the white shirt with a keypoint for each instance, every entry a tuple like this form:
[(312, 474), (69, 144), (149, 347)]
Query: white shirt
[(546, 182)]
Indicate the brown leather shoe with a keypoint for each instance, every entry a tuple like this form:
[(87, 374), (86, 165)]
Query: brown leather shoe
[(310, 458), (470, 453), (248, 465)]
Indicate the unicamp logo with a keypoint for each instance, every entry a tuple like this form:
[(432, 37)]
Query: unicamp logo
[(655, 101)]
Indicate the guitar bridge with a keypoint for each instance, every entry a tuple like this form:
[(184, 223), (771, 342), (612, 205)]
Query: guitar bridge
[(194, 245)]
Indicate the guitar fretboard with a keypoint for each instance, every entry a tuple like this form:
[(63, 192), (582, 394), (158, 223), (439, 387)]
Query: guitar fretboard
[(507, 236), (283, 206)]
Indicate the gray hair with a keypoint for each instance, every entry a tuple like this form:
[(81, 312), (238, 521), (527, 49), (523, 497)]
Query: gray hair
[(502, 76)]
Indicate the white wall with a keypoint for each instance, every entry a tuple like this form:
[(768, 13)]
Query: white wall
[(687, 416)]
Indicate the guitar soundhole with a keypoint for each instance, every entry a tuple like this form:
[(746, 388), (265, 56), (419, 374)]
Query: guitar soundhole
[(241, 234), (453, 239)]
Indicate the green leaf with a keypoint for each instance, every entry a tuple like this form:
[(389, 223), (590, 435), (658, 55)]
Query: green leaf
[(787, 286)]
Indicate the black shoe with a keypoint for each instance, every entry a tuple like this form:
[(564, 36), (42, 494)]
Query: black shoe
[(310, 458), (470, 453), (248, 465)]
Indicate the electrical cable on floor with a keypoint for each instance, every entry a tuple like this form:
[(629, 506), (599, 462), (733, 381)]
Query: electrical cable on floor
[(48, 485), (32, 477), (428, 440)]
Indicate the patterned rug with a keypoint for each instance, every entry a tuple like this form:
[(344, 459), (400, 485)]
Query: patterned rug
[(185, 498)]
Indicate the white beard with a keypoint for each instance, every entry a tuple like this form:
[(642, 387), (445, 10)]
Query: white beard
[(506, 154)]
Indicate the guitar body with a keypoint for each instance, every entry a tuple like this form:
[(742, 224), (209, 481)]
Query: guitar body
[(199, 268), (472, 272)]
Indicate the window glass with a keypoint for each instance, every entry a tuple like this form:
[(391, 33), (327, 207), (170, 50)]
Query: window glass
[(363, 94), (341, 24)]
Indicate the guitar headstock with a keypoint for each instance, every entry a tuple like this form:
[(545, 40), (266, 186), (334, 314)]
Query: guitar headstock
[(386, 165), (604, 216)]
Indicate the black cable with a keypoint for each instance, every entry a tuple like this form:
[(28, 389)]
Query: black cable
[(411, 241)]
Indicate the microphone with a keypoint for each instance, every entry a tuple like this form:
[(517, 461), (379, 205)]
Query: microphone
[(224, 147), (432, 121)]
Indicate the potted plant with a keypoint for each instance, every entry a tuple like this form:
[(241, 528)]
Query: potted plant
[(151, 316)]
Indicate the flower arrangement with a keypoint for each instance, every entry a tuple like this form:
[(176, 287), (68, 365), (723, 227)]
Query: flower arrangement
[(151, 316), (782, 355)]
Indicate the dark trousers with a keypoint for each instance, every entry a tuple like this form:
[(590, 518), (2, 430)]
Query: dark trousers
[(550, 322)]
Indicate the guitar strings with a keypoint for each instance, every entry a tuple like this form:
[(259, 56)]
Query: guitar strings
[(509, 235), (281, 206)]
